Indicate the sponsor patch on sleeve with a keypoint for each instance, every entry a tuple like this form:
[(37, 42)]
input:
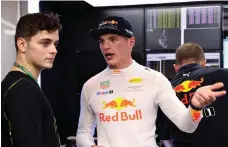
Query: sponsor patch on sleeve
[(196, 115)]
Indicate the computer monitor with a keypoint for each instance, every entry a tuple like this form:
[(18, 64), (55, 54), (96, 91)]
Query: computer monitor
[(225, 53), (170, 26), (164, 62)]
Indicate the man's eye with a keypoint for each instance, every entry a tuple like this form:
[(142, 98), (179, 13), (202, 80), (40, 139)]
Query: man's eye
[(56, 44), (45, 43)]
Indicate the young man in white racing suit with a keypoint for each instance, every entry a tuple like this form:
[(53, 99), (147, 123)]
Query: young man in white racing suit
[(122, 100)]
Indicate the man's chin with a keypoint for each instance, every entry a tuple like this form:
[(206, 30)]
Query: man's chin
[(48, 66), (111, 62)]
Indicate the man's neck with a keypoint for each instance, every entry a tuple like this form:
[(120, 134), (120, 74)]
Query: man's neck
[(123, 65), (31, 68)]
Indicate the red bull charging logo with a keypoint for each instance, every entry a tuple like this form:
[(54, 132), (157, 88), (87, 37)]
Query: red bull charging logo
[(188, 85), (196, 115), (120, 104)]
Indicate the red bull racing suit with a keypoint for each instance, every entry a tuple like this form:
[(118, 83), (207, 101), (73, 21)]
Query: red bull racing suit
[(123, 103), (212, 131)]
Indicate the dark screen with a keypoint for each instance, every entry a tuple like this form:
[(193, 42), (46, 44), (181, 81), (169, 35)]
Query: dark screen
[(135, 16), (206, 38)]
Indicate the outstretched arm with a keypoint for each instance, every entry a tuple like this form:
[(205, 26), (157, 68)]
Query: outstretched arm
[(188, 119)]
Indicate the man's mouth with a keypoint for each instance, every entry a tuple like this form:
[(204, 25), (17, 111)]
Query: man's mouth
[(50, 59), (109, 56)]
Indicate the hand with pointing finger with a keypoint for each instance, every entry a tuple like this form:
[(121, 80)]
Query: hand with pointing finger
[(206, 95)]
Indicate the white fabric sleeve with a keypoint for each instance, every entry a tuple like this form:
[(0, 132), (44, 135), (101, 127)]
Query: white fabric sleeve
[(172, 107), (86, 124)]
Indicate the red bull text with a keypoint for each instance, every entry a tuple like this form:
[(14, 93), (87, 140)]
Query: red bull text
[(121, 116), (119, 104)]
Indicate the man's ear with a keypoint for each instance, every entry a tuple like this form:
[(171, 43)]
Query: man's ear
[(203, 63), (132, 42), (22, 44), (176, 67)]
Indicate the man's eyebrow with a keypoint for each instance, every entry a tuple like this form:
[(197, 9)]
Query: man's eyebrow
[(46, 39), (112, 37)]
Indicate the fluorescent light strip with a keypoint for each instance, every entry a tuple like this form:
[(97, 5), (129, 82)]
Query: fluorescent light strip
[(100, 3)]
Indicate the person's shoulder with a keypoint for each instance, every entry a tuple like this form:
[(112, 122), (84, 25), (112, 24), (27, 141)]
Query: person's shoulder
[(16, 77), (224, 70), (91, 82), (145, 70), (152, 75), (214, 71), (23, 87), (22, 92), (149, 71), (28, 84)]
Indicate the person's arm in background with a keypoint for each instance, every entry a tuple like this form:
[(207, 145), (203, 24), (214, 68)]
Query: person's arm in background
[(86, 124), (186, 119), (163, 129)]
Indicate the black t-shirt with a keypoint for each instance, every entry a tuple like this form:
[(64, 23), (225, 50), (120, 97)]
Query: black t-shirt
[(26, 113)]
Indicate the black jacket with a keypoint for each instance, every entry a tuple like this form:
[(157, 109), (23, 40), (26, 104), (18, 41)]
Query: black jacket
[(213, 128), (26, 113)]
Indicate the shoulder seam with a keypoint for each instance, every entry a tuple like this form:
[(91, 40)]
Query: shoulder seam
[(12, 86)]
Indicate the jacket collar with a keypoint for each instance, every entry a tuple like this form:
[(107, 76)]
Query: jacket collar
[(188, 68)]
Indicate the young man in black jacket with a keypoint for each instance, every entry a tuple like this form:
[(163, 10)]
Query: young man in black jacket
[(192, 74), (27, 116)]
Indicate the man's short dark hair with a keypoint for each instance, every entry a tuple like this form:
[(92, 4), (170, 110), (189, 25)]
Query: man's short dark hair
[(189, 51), (30, 24)]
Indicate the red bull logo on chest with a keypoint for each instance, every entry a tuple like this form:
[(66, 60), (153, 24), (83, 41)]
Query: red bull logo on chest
[(120, 104), (188, 85)]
